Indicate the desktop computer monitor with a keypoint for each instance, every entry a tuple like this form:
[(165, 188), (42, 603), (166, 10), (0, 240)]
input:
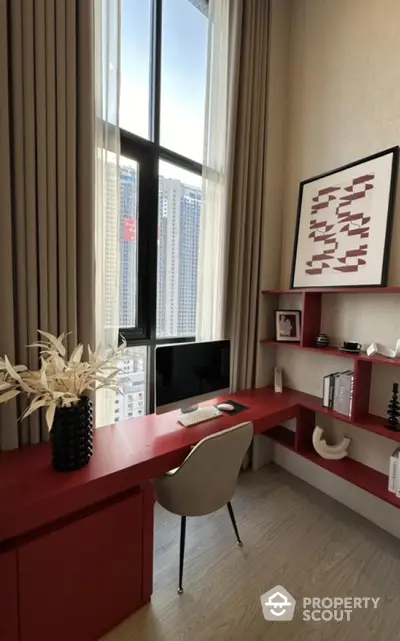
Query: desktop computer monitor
[(187, 373)]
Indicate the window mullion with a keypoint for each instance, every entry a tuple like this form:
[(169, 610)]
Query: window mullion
[(152, 248), (155, 73)]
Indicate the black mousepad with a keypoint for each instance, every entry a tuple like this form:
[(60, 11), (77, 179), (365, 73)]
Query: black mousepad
[(237, 407)]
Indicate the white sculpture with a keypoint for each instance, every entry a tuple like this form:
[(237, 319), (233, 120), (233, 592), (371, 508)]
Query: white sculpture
[(329, 451), (382, 350)]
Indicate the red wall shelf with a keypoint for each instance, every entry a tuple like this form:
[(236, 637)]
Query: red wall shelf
[(327, 351), (352, 471), (310, 405), (381, 360), (334, 351), (366, 421), (358, 474), (336, 290), (283, 436)]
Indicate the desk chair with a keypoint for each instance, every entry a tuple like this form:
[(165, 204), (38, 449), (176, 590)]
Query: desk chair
[(206, 480)]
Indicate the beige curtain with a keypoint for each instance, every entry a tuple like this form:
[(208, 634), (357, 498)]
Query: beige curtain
[(211, 278), (220, 130), (248, 145), (107, 218), (233, 180), (46, 184)]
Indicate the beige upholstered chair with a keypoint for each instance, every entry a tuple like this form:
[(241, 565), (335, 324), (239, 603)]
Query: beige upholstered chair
[(206, 480)]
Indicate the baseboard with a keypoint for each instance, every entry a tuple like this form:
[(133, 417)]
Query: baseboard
[(372, 508)]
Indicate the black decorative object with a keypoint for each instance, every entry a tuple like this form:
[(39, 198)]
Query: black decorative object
[(394, 409), (72, 436), (322, 340)]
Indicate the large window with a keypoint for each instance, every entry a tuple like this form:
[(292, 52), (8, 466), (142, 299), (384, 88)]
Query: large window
[(163, 92), (183, 78)]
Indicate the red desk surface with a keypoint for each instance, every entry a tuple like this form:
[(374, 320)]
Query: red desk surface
[(126, 454)]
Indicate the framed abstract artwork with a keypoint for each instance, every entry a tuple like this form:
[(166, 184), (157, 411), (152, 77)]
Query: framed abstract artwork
[(344, 224)]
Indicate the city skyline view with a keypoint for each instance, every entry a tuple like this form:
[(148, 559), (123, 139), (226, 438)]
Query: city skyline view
[(179, 207)]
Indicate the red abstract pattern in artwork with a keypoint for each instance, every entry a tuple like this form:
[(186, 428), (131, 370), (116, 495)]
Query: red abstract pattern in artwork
[(339, 219)]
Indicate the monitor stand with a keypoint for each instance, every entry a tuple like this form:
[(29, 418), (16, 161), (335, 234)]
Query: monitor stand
[(191, 408)]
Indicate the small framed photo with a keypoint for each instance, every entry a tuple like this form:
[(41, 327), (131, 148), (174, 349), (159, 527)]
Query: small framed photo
[(287, 325)]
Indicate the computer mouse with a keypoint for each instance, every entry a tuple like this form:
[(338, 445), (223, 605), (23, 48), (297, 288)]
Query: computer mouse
[(225, 406)]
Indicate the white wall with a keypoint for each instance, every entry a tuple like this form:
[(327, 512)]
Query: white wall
[(343, 104), (344, 96)]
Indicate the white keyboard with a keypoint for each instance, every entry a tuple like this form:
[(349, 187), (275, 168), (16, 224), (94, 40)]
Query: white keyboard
[(198, 416)]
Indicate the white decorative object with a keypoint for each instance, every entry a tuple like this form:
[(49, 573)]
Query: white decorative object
[(382, 350), (278, 387), (386, 351), (329, 451)]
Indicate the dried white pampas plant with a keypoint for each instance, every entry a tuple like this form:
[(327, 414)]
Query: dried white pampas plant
[(60, 381)]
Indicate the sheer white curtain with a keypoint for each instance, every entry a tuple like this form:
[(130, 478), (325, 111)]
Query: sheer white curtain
[(107, 226), (217, 173)]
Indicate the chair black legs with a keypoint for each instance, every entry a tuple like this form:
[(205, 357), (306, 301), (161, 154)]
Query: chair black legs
[(231, 514), (182, 553), (183, 537)]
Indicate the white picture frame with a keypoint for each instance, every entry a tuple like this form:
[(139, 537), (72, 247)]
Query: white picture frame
[(288, 325)]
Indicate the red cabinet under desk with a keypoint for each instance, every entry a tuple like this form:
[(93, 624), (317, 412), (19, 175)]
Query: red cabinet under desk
[(76, 550), (78, 581), (8, 596)]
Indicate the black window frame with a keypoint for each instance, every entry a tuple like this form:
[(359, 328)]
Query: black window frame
[(148, 153)]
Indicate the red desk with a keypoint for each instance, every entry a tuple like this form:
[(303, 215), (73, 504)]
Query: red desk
[(76, 549)]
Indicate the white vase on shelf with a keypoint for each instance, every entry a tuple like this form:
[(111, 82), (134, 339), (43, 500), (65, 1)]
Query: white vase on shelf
[(326, 451)]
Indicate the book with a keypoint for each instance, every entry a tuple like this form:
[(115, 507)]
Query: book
[(325, 390), (351, 393), (339, 393), (394, 471), (332, 383), (332, 388), (397, 475), (342, 393), (349, 386)]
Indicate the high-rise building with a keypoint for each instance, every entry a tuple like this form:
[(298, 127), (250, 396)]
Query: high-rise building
[(130, 403), (111, 249), (179, 231), (188, 260), (162, 258), (128, 246)]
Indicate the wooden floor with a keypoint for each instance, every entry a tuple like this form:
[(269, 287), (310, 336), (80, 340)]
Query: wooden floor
[(293, 535)]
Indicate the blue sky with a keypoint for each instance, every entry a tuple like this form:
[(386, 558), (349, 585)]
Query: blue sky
[(184, 59)]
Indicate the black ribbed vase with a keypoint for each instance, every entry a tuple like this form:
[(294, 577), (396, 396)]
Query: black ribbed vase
[(72, 436), (322, 340)]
